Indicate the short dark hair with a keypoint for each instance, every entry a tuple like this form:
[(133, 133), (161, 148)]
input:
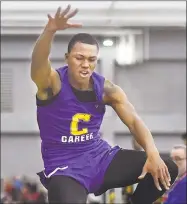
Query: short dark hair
[(83, 38)]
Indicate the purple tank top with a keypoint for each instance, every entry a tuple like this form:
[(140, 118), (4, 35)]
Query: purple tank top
[(69, 130), (69, 122)]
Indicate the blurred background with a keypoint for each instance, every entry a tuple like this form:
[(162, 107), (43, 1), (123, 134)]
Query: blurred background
[(142, 49)]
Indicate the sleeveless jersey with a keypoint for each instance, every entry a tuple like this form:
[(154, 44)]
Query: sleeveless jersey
[(68, 121), (69, 130)]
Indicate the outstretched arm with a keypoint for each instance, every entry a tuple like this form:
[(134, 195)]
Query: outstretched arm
[(117, 99), (44, 76), (41, 70)]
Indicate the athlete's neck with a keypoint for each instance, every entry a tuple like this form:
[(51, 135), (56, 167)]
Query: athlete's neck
[(83, 85)]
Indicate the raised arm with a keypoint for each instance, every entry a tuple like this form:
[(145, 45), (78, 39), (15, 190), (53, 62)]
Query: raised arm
[(44, 76), (117, 99), (41, 70)]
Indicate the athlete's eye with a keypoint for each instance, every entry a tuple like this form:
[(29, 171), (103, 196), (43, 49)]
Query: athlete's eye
[(79, 58), (92, 59)]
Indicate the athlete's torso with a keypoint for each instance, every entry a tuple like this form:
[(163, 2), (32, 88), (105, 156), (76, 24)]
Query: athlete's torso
[(66, 120), (69, 129)]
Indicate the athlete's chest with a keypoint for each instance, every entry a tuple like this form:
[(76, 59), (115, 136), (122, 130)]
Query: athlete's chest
[(68, 105)]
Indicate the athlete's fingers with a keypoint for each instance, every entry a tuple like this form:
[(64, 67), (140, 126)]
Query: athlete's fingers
[(65, 11), (57, 15), (162, 179), (73, 13), (156, 181)]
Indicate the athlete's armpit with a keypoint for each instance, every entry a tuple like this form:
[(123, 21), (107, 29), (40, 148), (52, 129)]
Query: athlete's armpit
[(49, 92), (45, 94)]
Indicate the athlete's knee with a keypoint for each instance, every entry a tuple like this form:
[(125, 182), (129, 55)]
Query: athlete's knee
[(172, 168)]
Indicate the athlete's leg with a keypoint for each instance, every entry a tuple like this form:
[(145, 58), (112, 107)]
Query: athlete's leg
[(65, 190), (125, 169)]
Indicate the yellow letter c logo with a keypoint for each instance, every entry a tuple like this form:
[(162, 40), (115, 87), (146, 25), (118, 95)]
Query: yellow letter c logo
[(74, 123)]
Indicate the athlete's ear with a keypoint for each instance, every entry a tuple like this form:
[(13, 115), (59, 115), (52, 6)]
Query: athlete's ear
[(66, 57)]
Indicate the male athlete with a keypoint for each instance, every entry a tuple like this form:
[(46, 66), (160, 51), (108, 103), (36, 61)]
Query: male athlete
[(70, 108)]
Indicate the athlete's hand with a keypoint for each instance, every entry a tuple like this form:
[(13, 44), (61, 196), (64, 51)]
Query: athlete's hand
[(60, 20), (159, 171)]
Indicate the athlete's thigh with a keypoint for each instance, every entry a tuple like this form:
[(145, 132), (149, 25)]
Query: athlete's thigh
[(124, 169), (63, 189)]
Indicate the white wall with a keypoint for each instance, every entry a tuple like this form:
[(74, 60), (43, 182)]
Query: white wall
[(157, 89), (167, 44)]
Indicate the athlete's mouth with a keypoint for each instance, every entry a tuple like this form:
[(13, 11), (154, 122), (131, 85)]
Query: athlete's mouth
[(84, 74)]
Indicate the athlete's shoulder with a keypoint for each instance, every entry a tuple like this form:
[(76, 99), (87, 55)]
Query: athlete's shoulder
[(62, 71), (98, 78), (98, 75)]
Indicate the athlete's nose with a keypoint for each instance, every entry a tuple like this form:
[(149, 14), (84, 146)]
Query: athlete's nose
[(85, 64)]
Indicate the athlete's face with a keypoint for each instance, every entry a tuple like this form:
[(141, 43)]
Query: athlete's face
[(82, 60), (179, 157)]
